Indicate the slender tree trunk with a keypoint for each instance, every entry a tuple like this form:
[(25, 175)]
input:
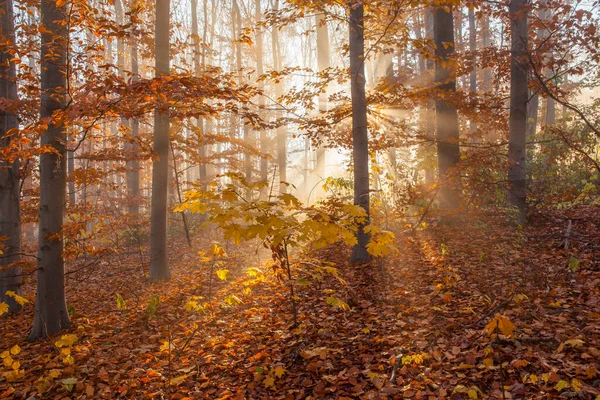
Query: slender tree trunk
[(323, 62), (70, 171), (10, 211), (517, 172), (237, 16), (533, 105), (133, 165), (202, 173), (159, 265), (264, 165), (281, 130), (473, 49), (51, 314), (360, 135), (446, 116), (487, 43)]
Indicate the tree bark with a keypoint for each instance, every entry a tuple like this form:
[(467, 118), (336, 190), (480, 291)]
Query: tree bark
[(10, 211), (51, 314), (323, 63), (517, 196), (446, 118), (202, 172), (473, 49), (487, 43), (264, 165), (360, 135), (159, 265), (281, 130), (133, 165)]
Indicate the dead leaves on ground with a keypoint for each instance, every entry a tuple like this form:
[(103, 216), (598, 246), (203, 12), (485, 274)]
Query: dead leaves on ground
[(456, 314)]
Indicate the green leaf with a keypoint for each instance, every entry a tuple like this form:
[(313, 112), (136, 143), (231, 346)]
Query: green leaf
[(121, 304), (69, 383)]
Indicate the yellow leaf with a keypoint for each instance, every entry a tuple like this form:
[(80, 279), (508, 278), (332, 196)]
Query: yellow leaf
[(3, 308), (19, 299), (533, 378), (68, 360), (54, 373), (472, 394), (269, 382), (222, 274), (166, 346), (15, 365), (66, 340), (576, 385), (488, 362), (501, 323), (279, 371), (562, 385), (217, 250), (4, 354), (8, 361), (15, 350), (178, 380), (334, 301)]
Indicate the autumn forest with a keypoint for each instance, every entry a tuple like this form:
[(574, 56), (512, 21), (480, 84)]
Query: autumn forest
[(299, 199)]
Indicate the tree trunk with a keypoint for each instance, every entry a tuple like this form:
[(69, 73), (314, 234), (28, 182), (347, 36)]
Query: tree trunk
[(360, 136), (281, 130), (133, 165), (202, 173), (533, 105), (10, 211), (323, 62), (446, 117), (517, 196), (487, 43), (264, 166), (473, 49), (51, 314), (159, 265)]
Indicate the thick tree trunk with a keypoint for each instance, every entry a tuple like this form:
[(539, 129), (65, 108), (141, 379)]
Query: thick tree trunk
[(517, 172), (10, 212), (360, 135), (323, 62), (159, 265), (446, 116), (281, 130), (51, 314)]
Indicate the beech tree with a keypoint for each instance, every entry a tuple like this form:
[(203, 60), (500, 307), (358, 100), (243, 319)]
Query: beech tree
[(323, 63), (281, 130), (360, 134), (51, 314), (159, 264), (446, 116), (517, 172), (10, 209)]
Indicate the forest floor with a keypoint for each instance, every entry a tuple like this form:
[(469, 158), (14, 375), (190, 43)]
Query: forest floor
[(415, 327)]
